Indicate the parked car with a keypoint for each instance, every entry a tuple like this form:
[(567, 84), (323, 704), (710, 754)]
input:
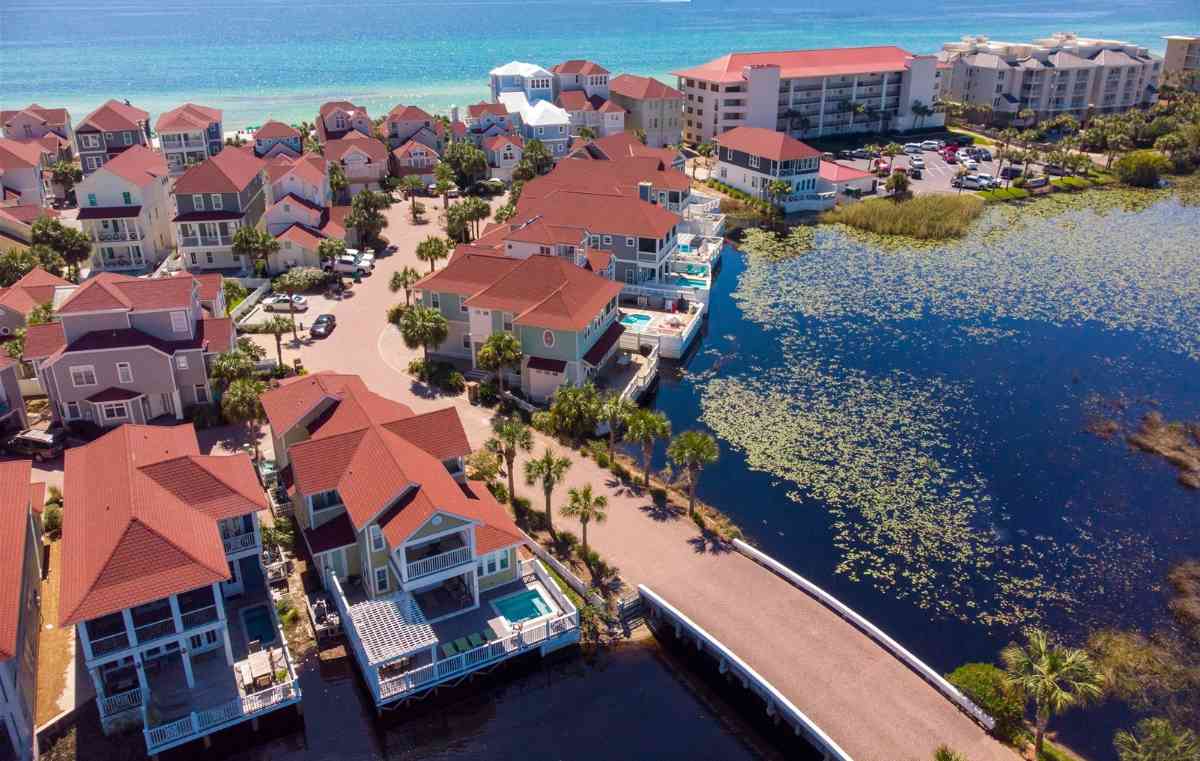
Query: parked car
[(1036, 182), (912, 149), (845, 154), (963, 139), (1054, 169), (970, 164), (968, 182), (916, 162), (950, 157), (983, 154), (322, 326), (279, 302), (931, 145), (37, 444), (988, 180), (915, 172), (364, 258), (452, 193), (863, 153), (348, 265), (1010, 172)]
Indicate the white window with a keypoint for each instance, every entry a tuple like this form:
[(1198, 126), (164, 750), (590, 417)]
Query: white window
[(181, 362), (435, 300), (179, 322), (215, 200), (462, 304), (608, 240), (754, 162), (94, 162), (491, 564), (124, 372), (90, 141), (198, 201), (127, 138), (508, 318), (630, 243), (114, 411), (548, 338), (381, 579), (83, 375), (376, 539)]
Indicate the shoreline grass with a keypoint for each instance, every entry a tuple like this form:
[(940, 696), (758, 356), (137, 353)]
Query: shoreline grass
[(926, 217)]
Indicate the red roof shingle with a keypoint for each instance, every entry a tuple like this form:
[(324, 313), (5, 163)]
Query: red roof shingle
[(227, 172), (803, 63), (642, 88), (767, 143), (15, 502)]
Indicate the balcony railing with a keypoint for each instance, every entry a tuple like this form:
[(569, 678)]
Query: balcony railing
[(147, 632), (118, 235), (199, 616), (170, 144), (119, 703), (208, 240), (109, 644), (239, 542), (205, 722), (121, 262), (435, 563)]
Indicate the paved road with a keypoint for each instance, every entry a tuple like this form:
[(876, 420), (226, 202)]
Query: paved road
[(869, 702)]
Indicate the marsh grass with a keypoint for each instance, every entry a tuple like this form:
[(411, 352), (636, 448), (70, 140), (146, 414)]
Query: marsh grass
[(1185, 600), (927, 217), (1177, 443)]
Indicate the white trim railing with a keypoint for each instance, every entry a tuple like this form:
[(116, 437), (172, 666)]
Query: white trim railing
[(198, 616), (644, 378), (198, 724), (435, 563), (149, 632), (121, 702), (109, 643)]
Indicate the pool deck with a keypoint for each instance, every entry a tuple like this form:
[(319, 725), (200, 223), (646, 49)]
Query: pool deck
[(661, 329), (475, 621)]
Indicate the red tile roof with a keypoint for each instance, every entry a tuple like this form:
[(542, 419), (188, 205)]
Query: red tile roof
[(546, 364), (15, 503), (27, 213), (211, 284), (110, 290), (578, 66), (478, 110), (767, 143), (344, 105), (412, 146), (301, 235), (227, 172), (625, 145), (137, 164), (113, 116), (311, 167), (43, 340), (36, 287), (20, 154), (620, 175), (335, 150), (598, 211), (275, 130), (140, 518), (403, 113), (835, 172), (803, 63), (186, 118), (53, 117), (642, 88), (574, 100), (604, 343)]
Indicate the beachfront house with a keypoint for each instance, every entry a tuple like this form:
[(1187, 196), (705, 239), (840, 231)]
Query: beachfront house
[(752, 158), (166, 589), (188, 135), (422, 563), (128, 350), (110, 129), (212, 200), (363, 159), (276, 138), (34, 122), (486, 120), (338, 118), (20, 607), (651, 106), (581, 88), (125, 208), (527, 92)]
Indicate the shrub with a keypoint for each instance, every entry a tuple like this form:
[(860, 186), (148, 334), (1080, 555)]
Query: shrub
[(596, 449), (488, 393), (54, 495), (1004, 194), (619, 470), (565, 543), (204, 416), (1142, 169), (520, 503), (416, 367), (499, 491), (52, 521), (602, 459), (659, 495), (698, 519), (1019, 181), (929, 217), (543, 422), (984, 684)]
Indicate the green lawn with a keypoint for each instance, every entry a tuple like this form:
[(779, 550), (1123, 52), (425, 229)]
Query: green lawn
[(1004, 194)]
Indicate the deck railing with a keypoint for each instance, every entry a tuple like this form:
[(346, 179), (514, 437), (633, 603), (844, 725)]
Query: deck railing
[(161, 628), (109, 644), (119, 703), (644, 378), (198, 724), (239, 542), (198, 616), (435, 563)]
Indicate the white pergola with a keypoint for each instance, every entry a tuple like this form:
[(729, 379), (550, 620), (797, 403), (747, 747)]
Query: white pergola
[(392, 627)]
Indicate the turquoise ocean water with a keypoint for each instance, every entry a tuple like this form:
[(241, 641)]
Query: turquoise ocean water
[(282, 58)]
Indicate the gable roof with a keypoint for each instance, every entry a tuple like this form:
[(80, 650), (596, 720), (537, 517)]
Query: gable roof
[(477, 110), (759, 141), (342, 105), (497, 142), (140, 518), (642, 88), (275, 130), (578, 66), (20, 154), (336, 150), (311, 167), (189, 116), (803, 63), (36, 287), (227, 172), (137, 164), (110, 290), (412, 146), (303, 236), (832, 171), (113, 116), (518, 69), (16, 500), (620, 175), (624, 145), (52, 117), (403, 113)]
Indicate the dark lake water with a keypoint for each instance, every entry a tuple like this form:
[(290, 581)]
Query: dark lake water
[(906, 427)]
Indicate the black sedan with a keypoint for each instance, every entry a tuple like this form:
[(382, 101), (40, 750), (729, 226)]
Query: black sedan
[(322, 326)]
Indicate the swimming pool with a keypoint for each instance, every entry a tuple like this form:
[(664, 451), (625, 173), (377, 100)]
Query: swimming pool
[(689, 282), (635, 320), (522, 606), (258, 624)]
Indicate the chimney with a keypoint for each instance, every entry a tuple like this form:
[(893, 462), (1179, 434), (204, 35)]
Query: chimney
[(644, 191), (453, 114)]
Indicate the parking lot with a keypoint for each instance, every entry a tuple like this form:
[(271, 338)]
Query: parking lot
[(936, 176)]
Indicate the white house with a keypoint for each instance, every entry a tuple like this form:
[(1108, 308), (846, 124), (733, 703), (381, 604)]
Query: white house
[(125, 208), (753, 158)]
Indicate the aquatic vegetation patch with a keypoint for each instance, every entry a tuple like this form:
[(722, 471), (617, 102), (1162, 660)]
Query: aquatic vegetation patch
[(1177, 443), (925, 217)]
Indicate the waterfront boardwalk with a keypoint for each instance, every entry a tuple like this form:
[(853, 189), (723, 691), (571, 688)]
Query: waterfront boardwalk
[(869, 702)]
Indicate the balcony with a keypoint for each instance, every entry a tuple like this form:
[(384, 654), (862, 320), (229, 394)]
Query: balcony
[(154, 630), (111, 236), (236, 543), (113, 705), (109, 644), (206, 240), (119, 262), (199, 616), (435, 563), (171, 143)]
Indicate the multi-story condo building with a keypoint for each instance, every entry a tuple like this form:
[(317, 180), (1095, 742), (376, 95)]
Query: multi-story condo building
[(1182, 58), (129, 350), (527, 92), (166, 589), (487, 120), (363, 159), (752, 158), (20, 607), (339, 117), (188, 135), (405, 123), (651, 106), (1060, 74), (107, 131), (125, 208), (35, 288), (274, 138), (34, 121), (23, 172), (809, 93), (212, 200), (581, 89), (422, 564)]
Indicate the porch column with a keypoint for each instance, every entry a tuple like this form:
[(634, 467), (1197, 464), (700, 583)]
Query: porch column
[(176, 616), (217, 597), (178, 405), (228, 647), (97, 681), (141, 675), (129, 633), (187, 667), (475, 585)]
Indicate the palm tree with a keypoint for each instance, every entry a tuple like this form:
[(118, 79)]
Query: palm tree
[(692, 450), (277, 326), (778, 189), (410, 184), (511, 435), (548, 469), (921, 111), (499, 352), (241, 403), (476, 210), (1157, 740), (1056, 678), (646, 427), (403, 280), (616, 411), (575, 410), (296, 280), (432, 250), (443, 176), (585, 506), (706, 151), (329, 249), (423, 327), (254, 244)]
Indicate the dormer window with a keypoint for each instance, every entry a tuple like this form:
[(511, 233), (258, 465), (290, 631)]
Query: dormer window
[(179, 322), (198, 201), (215, 200)]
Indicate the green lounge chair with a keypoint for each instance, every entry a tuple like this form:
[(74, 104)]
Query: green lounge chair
[(449, 650), (489, 635), (476, 640), (462, 644)]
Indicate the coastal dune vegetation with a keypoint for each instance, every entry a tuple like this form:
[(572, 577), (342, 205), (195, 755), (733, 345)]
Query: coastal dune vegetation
[(927, 217)]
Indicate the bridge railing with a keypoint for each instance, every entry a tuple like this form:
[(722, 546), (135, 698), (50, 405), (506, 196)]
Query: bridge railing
[(936, 680), (777, 703)]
